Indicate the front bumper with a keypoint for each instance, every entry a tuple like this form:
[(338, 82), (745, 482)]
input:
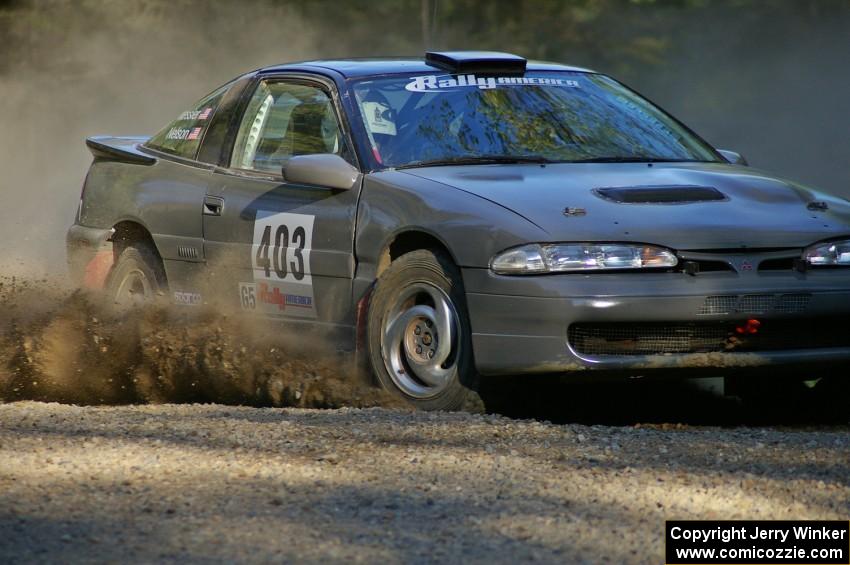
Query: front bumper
[(520, 324)]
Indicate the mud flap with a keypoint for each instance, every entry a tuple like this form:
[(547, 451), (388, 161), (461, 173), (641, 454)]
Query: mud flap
[(361, 353), (98, 268), (90, 255)]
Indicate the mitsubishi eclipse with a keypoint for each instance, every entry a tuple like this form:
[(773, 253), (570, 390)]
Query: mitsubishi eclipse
[(469, 215)]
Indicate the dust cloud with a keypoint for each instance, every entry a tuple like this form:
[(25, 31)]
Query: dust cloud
[(75, 69), (72, 69), (66, 345), (767, 79)]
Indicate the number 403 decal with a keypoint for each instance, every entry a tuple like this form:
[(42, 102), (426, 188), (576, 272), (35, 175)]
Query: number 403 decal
[(281, 247), (280, 250)]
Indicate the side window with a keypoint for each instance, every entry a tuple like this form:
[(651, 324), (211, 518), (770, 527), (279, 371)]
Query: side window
[(283, 120), (183, 136)]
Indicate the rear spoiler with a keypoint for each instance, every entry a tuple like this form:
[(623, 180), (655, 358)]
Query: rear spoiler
[(123, 149)]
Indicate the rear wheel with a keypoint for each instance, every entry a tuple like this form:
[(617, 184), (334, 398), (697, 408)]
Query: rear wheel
[(136, 277), (418, 332)]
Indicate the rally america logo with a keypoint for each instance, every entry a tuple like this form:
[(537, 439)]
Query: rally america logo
[(281, 300), (435, 83)]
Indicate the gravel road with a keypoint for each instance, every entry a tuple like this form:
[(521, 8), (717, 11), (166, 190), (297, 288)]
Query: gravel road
[(217, 483)]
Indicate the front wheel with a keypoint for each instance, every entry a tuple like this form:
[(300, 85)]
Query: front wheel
[(418, 332)]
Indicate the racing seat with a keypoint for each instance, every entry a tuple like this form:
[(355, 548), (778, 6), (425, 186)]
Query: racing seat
[(304, 135)]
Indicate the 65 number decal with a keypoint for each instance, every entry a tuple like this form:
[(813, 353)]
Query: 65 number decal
[(281, 247), (248, 296)]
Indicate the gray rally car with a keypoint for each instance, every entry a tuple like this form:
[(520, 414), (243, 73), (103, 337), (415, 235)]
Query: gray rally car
[(469, 215)]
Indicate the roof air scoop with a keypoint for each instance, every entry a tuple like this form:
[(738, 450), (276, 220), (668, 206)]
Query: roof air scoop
[(460, 62), (660, 194)]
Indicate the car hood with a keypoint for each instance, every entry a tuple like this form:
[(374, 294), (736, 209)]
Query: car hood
[(752, 209)]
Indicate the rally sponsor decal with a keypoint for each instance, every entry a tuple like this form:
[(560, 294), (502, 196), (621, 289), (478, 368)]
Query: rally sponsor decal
[(280, 257), (265, 295), (379, 118), (443, 83), (188, 298)]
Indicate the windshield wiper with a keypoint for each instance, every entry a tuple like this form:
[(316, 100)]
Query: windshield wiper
[(478, 160), (632, 160)]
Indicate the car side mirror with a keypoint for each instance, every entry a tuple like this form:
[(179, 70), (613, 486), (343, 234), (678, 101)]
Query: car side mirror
[(321, 169), (734, 158)]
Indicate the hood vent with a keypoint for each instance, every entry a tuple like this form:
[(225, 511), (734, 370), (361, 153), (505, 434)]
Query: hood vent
[(660, 194)]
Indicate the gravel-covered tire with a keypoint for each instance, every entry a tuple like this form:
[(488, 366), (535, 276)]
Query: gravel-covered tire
[(418, 332), (136, 277)]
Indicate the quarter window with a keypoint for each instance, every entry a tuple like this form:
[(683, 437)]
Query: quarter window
[(183, 136), (283, 120)]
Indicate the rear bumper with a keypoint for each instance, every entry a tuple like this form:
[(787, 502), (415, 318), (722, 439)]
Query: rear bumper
[(520, 324)]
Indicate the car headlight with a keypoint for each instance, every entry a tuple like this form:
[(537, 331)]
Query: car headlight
[(576, 257), (829, 254)]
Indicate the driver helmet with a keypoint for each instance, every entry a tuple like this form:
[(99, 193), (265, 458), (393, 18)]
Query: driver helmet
[(380, 119)]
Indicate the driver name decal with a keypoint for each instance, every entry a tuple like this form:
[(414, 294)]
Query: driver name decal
[(178, 133), (195, 114), (435, 83)]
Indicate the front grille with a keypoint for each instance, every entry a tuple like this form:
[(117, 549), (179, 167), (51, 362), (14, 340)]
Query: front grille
[(719, 305), (755, 304), (783, 264), (707, 266), (665, 338), (792, 303)]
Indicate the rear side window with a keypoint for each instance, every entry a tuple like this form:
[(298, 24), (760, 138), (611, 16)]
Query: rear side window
[(183, 136)]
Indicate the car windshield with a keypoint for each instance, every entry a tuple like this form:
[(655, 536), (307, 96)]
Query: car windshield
[(422, 120)]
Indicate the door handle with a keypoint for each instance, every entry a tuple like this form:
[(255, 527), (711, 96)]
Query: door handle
[(213, 205)]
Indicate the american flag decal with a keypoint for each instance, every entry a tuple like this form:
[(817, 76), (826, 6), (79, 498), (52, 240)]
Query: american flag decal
[(205, 114), (195, 133)]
